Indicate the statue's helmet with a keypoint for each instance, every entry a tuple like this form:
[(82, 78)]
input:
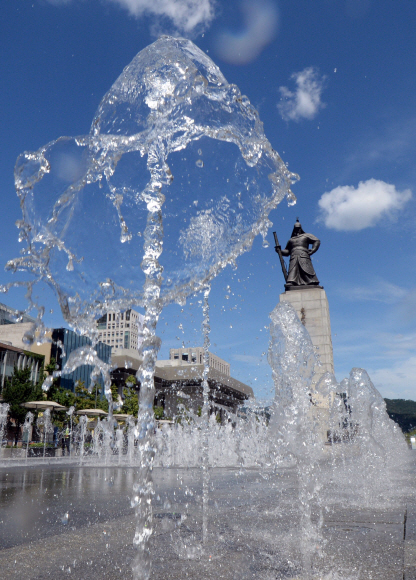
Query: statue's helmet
[(297, 228)]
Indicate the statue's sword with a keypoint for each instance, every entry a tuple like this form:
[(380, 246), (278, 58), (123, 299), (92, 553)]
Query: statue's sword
[(279, 251)]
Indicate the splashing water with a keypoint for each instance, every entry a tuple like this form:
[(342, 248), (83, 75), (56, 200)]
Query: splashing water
[(176, 160), (88, 201), (44, 423), (27, 430), (4, 410), (367, 462), (172, 184)]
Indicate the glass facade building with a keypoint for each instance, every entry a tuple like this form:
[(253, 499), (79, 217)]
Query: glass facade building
[(70, 341)]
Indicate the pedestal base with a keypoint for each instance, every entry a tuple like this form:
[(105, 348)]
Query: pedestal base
[(311, 305)]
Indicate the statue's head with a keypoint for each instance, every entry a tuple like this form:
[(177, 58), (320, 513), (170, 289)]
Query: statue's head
[(297, 228)]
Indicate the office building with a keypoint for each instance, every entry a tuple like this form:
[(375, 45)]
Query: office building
[(64, 342), (121, 330), (185, 356)]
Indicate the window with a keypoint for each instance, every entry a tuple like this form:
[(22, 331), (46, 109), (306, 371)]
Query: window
[(185, 357), (176, 356)]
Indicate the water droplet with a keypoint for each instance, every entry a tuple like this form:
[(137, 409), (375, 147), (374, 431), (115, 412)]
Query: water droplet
[(200, 163)]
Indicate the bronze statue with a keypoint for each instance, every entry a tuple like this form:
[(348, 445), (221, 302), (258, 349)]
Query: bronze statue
[(301, 271)]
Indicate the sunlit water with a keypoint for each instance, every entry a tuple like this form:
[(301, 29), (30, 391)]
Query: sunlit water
[(171, 185)]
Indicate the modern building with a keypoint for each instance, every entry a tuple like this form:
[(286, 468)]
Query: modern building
[(12, 357), (15, 333), (121, 329), (64, 342), (185, 356), (61, 343), (11, 316), (179, 380), (125, 362)]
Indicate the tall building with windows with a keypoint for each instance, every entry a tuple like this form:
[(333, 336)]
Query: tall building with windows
[(195, 355), (121, 330), (64, 342)]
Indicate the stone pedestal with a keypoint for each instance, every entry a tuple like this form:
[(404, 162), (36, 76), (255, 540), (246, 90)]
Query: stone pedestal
[(311, 305)]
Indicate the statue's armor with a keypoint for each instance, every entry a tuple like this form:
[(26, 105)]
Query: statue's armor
[(301, 270)]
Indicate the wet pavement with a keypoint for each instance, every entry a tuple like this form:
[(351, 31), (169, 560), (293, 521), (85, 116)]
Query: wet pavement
[(63, 521)]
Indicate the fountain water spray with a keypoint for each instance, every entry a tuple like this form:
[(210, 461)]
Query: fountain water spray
[(172, 184), (45, 424), (171, 114), (4, 411), (27, 429)]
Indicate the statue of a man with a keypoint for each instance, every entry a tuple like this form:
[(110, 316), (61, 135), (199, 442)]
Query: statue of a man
[(301, 271)]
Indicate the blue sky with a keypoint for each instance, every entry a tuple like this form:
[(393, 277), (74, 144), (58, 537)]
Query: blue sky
[(334, 82)]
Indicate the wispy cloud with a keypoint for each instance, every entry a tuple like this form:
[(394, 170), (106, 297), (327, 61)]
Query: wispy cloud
[(397, 381), (250, 359), (379, 290), (350, 208), (389, 142), (305, 102), (185, 15), (260, 25)]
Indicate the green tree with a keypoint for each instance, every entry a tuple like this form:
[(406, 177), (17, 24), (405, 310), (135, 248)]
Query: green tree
[(131, 401), (84, 399), (159, 412), (20, 389), (403, 412)]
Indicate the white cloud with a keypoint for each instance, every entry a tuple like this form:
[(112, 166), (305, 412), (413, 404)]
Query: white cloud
[(398, 381), (351, 209), (305, 102), (260, 24), (185, 15)]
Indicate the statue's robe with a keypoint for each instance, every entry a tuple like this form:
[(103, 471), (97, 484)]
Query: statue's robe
[(301, 271)]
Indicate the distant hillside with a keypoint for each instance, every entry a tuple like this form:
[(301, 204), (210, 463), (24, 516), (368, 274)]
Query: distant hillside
[(403, 412)]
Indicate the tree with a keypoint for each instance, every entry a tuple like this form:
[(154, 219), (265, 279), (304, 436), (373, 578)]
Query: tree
[(402, 412), (20, 389), (84, 399), (131, 401)]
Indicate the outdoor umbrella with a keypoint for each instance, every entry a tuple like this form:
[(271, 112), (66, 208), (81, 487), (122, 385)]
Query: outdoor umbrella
[(43, 405), (91, 412), (121, 416)]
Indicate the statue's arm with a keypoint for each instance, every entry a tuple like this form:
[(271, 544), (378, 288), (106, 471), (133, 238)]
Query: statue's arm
[(315, 244), (286, 251)]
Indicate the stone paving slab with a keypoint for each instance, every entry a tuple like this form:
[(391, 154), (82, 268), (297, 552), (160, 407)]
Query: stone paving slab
[(253, 530), (409, 571)]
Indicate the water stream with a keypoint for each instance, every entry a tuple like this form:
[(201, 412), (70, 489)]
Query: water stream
[(174, 181)]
